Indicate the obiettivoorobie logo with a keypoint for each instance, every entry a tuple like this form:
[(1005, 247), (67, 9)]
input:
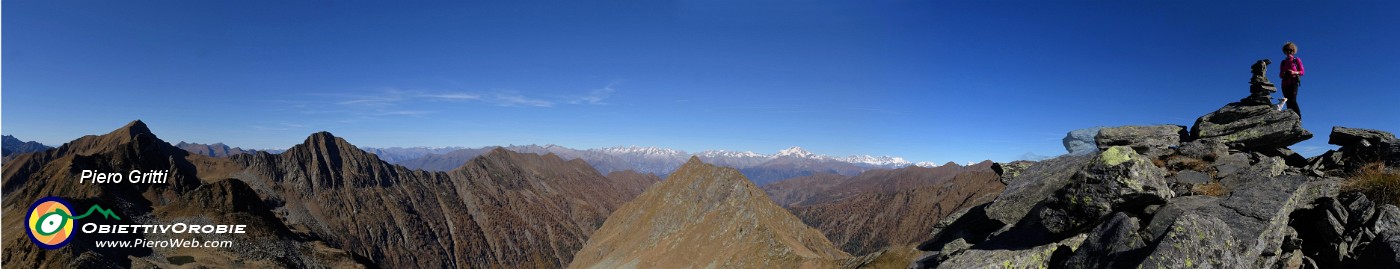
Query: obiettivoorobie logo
[(50, 221)]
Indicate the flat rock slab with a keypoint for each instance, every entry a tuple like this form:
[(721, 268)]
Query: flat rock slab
[(1035, 257), (1253, 127), (1141, 138)]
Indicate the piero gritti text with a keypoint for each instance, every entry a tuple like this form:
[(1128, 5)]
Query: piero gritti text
[(134, 177)]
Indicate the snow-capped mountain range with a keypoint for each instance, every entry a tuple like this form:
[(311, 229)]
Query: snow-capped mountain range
[(661, 161), (793, 152)]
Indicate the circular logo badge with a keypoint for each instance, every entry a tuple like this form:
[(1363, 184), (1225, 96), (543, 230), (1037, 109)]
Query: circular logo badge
[(50, 222)]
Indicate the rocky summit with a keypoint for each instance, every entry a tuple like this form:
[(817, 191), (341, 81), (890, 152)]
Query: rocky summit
[(1253, 122), (705, 216), (1228, 194)]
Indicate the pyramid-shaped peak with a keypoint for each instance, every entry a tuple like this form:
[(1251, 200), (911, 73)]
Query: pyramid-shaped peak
[(322, 135), (131, 130), (706, 205), (795, 152), (323, 140)]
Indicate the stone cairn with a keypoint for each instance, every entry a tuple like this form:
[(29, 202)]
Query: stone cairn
[(1260, 89)]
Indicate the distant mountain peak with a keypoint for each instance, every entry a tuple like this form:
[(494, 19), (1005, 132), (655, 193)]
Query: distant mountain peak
[(796, 152)]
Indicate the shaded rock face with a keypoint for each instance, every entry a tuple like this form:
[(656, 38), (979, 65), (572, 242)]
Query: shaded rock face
[(1114, 244), (1358, 148), (1082, 141), (705, 216), (1348, 231)]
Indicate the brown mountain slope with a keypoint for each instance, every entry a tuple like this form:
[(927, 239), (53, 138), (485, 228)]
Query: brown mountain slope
[(55, 172), (796, 191), (705, 216), (870, 221), (500, 210), (820, 189)]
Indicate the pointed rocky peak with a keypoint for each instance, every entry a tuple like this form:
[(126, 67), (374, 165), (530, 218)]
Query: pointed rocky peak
[(694, 160), (796, 152), (677, 221), (952, 164), (117, 140), (326, 145), (983, 164), (320, 138), (132, 129)]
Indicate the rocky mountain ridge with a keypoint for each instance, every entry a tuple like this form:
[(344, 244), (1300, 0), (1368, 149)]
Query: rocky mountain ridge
[(211, 150), (189, 188), (12, 145), (1228, 193), (321, 203)]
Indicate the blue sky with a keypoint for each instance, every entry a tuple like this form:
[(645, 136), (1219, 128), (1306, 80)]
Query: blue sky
[(929, 81)]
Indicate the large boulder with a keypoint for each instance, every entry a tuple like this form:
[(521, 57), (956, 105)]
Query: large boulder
[(1034, 185), (1114, 244), (1141, 138), (1361, 146), (1081, 142), (1119, 179), (1251, 127)]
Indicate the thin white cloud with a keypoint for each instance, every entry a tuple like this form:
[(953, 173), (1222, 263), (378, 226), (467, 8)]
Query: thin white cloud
[(454, 96), (595, 97), (383, 98), (391, 102), (511, 98)]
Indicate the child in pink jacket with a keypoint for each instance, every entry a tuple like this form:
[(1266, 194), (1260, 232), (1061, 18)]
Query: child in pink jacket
[(1290, 70)]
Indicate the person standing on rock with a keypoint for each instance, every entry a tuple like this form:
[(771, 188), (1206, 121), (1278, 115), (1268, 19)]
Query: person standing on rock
[(1290, 70)]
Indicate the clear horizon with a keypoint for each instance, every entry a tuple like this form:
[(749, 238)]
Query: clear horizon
[(935, 82)]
